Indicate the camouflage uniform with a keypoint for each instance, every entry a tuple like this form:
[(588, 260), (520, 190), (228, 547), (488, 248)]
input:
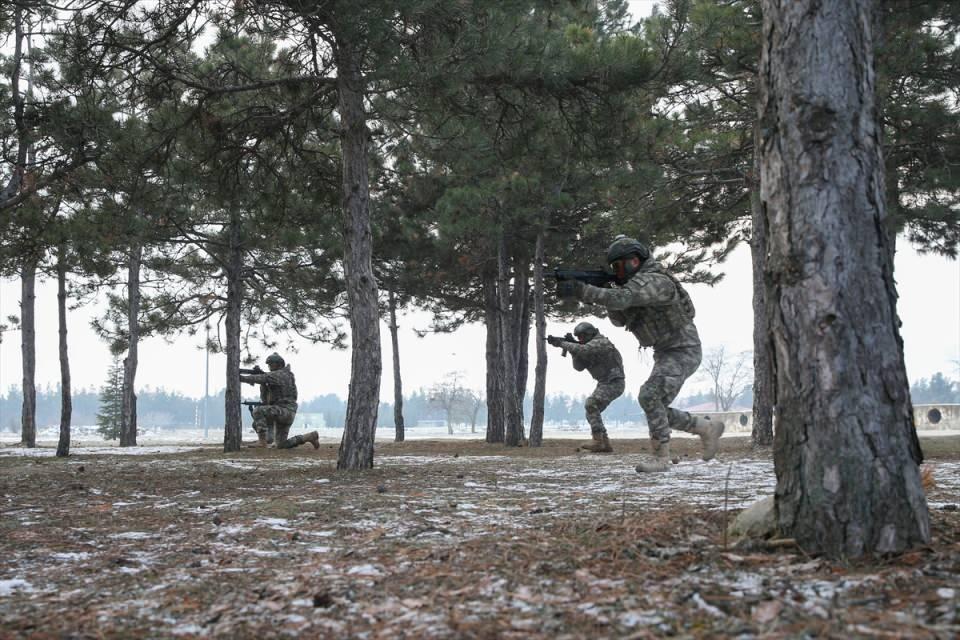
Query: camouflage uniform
[(600, 357), (278, 392), (655, 308)]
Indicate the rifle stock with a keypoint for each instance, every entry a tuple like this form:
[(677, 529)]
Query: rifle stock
[(594, 277)]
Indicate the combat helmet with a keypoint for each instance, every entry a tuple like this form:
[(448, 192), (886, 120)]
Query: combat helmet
[(622, 248), (275, 359), (585, 332)]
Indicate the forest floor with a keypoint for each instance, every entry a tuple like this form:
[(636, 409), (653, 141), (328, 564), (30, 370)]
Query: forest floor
[(441, 540)]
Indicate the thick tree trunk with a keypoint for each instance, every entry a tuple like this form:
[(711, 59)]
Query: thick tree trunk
[(763, 383), (233, 423), (128, 412), (848, 482), (520, 321), (512, 410), (28, 351), (66, 399), (356, 447), (540, 370), (494, 352), (397, 382)]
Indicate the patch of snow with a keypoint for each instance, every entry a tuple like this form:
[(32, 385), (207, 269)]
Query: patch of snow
[(49, 452), (7, 587), (946, 593), (187, 630), (233, 464), (706, 606), (279, 524), (640, 618), (364, 570), (70, 556), (131, 535), (130, 570)]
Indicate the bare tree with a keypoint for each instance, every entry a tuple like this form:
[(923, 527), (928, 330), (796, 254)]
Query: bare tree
[(473, 401), (449, 395), (730, 376)]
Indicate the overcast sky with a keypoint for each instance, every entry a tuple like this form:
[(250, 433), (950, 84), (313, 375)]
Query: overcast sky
[(929, 307)]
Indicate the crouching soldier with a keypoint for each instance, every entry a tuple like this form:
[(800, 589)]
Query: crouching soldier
[(278, 392), (649, 302), (596, 354)]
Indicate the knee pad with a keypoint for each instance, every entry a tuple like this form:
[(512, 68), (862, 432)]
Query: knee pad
[(648, 396)]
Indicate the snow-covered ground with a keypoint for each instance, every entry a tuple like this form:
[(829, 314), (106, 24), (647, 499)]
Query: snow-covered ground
[(87, 440)]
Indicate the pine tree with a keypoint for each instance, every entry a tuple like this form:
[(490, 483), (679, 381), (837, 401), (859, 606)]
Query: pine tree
[(111, 402)]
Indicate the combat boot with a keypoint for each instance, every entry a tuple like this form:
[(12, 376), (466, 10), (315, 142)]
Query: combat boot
[(601, 443), (261, 441), (709, 432), (313, 438), (659, 462)]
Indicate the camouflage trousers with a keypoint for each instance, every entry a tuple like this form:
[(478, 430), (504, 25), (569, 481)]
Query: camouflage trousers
[(600, 399), (275, 420), (671, 368)]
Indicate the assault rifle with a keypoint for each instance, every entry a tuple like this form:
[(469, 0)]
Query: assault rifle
[(567, 338), (594, 277), (256, 369), (250, 404)]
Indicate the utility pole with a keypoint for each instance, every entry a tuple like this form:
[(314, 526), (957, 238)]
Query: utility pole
[(206, 382)]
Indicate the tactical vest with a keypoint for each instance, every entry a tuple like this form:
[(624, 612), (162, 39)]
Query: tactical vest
[(657, 323), (283, 391), (603, 363)]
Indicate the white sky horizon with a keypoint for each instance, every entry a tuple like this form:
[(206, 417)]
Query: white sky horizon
[(929, 307)]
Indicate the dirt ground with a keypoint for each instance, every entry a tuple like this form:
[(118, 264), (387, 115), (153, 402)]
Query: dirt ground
[(442, 539)]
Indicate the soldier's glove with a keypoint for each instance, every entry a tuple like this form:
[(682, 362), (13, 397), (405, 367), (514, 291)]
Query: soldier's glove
[(570, 289), (555, 341)]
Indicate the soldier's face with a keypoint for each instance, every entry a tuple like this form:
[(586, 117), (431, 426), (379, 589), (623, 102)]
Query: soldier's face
[(620, 267)]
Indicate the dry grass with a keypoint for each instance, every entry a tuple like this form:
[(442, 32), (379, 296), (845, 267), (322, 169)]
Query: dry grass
[(443, 539)]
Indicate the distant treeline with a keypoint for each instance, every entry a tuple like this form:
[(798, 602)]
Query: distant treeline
[(158, 408)]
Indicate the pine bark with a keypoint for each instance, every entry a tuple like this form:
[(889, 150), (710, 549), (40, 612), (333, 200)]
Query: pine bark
[(233, 425), (18, 172), (28, 351), (128, 412), (494, 351), (66, 399), (520, 317), (763, 382), (540, 324), (848, 482), (512, 411), (397, 382), (356, 447)]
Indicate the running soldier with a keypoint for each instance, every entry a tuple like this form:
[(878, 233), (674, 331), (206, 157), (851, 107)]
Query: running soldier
[(596, 354), (650, 303), (278, 392)]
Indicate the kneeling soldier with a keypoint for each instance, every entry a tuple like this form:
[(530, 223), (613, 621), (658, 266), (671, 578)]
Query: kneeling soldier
[(596, 354), (278, 391)]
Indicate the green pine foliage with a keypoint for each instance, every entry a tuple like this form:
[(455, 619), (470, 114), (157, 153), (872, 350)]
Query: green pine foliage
[(111, 399)]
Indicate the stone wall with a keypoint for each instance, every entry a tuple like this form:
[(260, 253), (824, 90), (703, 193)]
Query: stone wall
[(927, 417)]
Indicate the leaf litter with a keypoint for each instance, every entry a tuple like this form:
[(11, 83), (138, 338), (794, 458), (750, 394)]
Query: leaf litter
[(440, 540)]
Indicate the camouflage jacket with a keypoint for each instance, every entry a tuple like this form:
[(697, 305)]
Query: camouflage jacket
[(276, 387), (599, 357), (652, 305)]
